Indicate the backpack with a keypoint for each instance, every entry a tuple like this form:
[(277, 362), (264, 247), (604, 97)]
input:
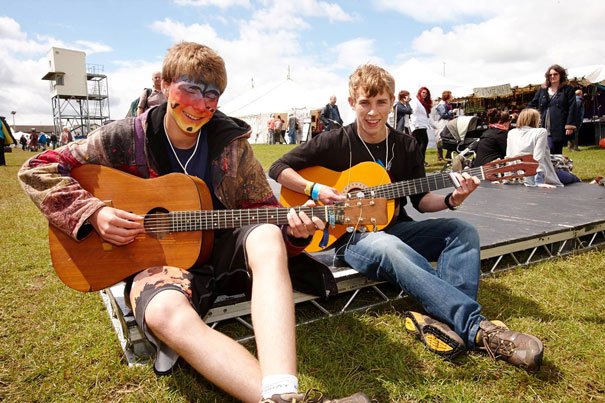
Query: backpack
[(134, 105)]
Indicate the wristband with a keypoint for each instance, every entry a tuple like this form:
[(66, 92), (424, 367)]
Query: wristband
[(315, 191), (448, 202), (309, 187)]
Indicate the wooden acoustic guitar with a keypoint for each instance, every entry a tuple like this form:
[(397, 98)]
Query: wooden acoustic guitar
[(369, 179), (178, 225)]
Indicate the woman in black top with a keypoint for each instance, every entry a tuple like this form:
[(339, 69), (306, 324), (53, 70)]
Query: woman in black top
[(492, 144), (556, 101)]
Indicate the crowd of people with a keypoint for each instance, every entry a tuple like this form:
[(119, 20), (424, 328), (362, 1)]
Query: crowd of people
[(39, 141), (188, 134), (560, 114)]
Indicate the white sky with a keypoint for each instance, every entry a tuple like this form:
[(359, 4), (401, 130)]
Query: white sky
[(454, 45)]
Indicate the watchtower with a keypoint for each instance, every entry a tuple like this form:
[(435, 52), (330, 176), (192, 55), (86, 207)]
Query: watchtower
[(79, 92)]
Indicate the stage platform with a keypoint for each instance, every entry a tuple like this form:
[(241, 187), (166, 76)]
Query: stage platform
[(517, 225)]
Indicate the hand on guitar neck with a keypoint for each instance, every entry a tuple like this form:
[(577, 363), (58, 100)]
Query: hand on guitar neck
[(301, 225)]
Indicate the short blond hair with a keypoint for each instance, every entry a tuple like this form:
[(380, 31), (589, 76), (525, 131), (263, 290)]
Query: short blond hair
[(528, 117), (373, 80), (194, 62)]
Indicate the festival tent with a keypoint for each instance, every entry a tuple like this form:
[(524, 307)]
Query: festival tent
[(258, 104)]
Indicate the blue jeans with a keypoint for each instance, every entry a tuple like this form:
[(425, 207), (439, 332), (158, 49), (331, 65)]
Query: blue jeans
[(401, 255), (291, 136)]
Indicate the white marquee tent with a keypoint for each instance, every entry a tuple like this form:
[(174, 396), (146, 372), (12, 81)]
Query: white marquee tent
[(285, 97)]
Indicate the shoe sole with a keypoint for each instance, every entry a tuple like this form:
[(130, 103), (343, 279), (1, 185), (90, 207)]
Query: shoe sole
[(433, 338)]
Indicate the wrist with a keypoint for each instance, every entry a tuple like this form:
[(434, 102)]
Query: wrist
[(315, 191), (309, 188), (450, 203)]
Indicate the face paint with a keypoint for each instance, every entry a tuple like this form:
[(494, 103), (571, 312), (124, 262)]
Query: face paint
[(192, 104)]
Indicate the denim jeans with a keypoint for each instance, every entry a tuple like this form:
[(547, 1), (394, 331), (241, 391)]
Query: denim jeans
[(401, 255)]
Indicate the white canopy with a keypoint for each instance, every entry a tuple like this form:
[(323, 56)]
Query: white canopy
[(285, 97), (273, 97)]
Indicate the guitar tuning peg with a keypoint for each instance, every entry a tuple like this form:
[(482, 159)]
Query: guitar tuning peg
[(350, 229), (360, 195), (362, 229)]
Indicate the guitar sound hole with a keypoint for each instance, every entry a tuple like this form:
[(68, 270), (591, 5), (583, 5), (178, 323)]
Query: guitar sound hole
[(158, 223), (354, 192)]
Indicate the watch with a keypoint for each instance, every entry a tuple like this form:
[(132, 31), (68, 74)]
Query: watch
[(448, 202)]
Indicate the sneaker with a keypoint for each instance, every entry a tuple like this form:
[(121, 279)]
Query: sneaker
[(315, 396), (519, 349), (438, 337)]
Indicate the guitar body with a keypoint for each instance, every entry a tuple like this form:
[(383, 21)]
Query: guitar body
[(358, 177), (92, 264)]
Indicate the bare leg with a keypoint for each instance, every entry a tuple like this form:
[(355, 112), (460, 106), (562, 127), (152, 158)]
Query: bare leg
[(219, 359), (272, 301)]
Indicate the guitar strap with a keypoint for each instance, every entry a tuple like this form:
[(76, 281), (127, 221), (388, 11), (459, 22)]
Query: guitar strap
[(139, 146)]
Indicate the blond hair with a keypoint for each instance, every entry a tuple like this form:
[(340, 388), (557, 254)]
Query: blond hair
[(528, 117), (195, 62), (373, 80)]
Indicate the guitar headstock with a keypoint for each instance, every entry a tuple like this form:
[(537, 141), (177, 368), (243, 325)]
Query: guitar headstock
[(510, 168), (361, 212)]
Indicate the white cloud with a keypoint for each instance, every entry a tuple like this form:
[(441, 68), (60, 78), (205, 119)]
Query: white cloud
[(518, 38), (216, 3), (432, 11)]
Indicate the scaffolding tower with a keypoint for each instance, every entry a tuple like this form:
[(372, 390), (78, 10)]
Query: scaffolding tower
[(79, 92)]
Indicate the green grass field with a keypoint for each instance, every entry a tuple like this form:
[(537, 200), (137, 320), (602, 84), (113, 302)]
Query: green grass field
[(57, 344)]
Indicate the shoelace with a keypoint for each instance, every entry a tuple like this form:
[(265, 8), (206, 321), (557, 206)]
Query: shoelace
[(503, 348), (310, 396)]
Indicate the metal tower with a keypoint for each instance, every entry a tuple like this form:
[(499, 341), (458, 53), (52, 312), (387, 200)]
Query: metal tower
[(79, 92)]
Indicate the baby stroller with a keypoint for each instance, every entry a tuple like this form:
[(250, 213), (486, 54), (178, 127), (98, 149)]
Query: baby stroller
[(460, 137)]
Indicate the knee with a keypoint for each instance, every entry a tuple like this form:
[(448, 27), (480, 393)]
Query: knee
[(265, 249), (164, 312), (265, 239), (464, 230)]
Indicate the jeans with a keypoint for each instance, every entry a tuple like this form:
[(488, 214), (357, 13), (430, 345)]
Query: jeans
[(401, 255), (291, 136)]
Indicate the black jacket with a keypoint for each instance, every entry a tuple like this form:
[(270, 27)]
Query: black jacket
[(560, 110)]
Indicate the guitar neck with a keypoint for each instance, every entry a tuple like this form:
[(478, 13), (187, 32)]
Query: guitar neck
[(202, 220), (420, 185)]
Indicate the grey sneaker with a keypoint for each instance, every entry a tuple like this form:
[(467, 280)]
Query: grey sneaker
[(437, 336), (315, 396), (520, 349)]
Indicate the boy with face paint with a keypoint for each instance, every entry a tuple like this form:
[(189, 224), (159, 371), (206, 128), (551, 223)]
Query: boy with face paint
[(187, 134)]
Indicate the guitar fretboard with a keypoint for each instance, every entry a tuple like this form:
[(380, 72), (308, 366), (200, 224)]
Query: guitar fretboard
[(420, 185), (202, 220)]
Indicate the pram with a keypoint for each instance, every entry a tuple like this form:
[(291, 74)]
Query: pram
[(459, 138)]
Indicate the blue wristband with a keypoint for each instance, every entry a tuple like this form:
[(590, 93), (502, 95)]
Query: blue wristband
[(315, 191)]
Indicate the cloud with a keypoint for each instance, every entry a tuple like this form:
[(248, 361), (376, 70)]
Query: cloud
[(434, 11), (214, 3), (515, 38)]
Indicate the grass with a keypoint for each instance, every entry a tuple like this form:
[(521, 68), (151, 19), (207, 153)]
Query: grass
[(57, 344)]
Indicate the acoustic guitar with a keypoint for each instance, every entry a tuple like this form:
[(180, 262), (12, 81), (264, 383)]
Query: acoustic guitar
[(369, 179), (178, 225)]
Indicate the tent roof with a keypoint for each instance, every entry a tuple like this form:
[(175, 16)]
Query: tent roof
[(273, 97)]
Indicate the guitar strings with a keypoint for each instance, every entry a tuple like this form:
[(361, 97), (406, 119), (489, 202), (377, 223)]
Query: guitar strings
[(209, 219), (166, 220)]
